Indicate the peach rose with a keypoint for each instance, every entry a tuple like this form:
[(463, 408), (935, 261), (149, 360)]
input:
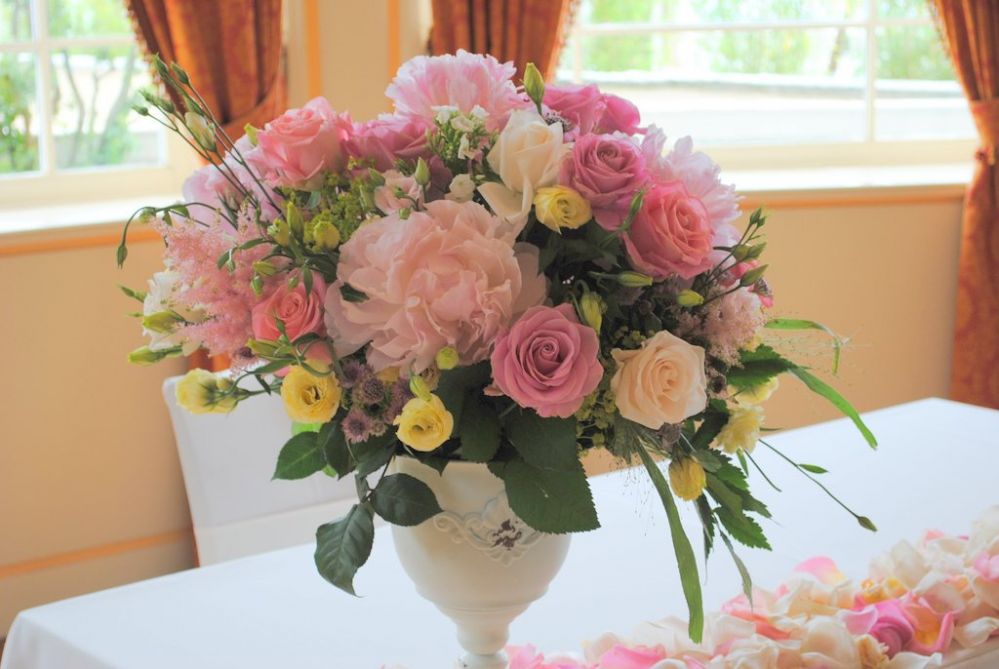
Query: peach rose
[(662, 382)]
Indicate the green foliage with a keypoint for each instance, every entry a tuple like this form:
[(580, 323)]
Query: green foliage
[(479, 432), (549, 500), (802, 324), (456, 385), (301, 456), (404, 500), (545, 443), (343, 546), (820, 387), (758, 367)]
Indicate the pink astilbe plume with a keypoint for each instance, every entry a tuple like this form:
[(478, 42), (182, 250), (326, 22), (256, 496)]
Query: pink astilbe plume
[(226, 297)]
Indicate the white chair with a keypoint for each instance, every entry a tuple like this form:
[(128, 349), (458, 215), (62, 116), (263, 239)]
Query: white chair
[(228, 461)]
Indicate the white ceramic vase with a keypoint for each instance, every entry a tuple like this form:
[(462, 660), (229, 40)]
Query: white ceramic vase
[(479, 563)]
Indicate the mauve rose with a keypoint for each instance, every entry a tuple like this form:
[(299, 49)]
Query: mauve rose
[(892, 627), (298, 146), (301, 313), (620, 115), (607, 171), (582, 106), (671, 233), (389, 138), (548, 361)]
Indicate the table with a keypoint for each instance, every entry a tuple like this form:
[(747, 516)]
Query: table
[(273, 610)]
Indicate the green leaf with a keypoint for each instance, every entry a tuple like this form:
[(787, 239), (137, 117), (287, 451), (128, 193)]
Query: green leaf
[(733, 476), (373, 454), (334, 446), (685, 560), (758, 367), (747, 580), (350, 294), (134, 294), (712, 424), (301, 456), (550, 501), (743, 529), (815, 469), (404, 500), (298, 428), (707, 517), (455, 385), (546, 443), (479, 432), (343, 546), (802, 324), (820, 387), (723, 494)]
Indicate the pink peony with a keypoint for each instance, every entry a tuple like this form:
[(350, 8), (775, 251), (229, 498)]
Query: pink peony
[(581, 106), (447, 276), (608, 171), (619, 115), (398, 192), (300, 313), (389, 138), (548, 361), (636, 657), (208, 188), (671, 233), (297, 147), (463, 80)]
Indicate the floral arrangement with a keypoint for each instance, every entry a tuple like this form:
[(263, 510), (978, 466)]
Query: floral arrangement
[(918, 602), (502, 274)]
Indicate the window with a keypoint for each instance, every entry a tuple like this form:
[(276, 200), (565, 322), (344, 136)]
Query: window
[(830, 81), (70, 71)]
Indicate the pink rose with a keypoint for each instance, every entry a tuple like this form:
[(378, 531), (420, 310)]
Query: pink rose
[(671, 233), (620, 115), (637, 657), (582, 106), (548, 361), (300, 313), (607, 171), (297, 147), (389, 138), (892, 627)]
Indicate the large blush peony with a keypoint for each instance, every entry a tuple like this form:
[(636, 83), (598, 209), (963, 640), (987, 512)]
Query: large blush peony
[(448, 276)]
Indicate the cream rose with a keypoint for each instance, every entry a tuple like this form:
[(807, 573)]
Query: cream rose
[(662, 382), (528, 155)]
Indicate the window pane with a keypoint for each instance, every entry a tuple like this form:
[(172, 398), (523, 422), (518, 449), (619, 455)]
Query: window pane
[(714, 11), (18, 114), (912, 9), (917, 96), (88, 18), (15, 20), (93, 121), (735, 87)]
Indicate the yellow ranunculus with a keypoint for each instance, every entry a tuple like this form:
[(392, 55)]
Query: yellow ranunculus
[(742, 430), (687, 478), (424, 424), (559, 207), (200, 391), (309, 398), (758, 394)]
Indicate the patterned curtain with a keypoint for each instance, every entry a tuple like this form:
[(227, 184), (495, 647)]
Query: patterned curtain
[(524, 31), (971, 32), (232, 51)]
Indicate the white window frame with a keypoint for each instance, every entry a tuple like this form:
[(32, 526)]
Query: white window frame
[(48, 185), (867, 152)]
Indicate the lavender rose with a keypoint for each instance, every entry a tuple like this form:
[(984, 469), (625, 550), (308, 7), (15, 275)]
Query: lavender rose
[(607, 171), (548, 361), (620, 115)]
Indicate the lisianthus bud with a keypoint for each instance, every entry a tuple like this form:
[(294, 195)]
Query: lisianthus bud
[(251, 133), (418, 386), (534, 84), (740, 251), (447, 358), (422, 174), (264, 268), (560, 207), (261, 347), (162, 322), (280, 232), (325, 235), (294, 218), (257, 285), (634, 279), (200, 130), (687, 478), (201, 391), (591, 308), (179, 74), (689, 298), (753, 275), (146, 356), (756, 250)]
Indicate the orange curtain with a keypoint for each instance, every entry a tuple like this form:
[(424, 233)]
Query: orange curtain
[(232, 51), (971, 32), (524, 31)]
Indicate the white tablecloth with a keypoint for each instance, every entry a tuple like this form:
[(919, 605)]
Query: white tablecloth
[(936, 468)]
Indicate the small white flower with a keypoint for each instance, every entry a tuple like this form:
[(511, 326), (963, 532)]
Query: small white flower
[(465, 149), (442, 113), (462, 188), (479, 113), (462, 123), (161, 297)]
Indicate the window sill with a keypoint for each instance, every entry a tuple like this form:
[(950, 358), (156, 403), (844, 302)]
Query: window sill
[(39, 229)]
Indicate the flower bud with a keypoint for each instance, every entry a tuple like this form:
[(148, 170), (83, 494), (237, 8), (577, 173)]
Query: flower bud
[(591, 310), (280, 232), (418, 386), (200, 130), (294, 218), (179, 74), (257, 285), (261, 347), (534, 84), (162, 322), (251, 133), (689, 298), (753, 275), (146, 356), (687, 478), (264, 268), (755, 251), (422, 174), (325, 235), (739, 252), (634, 279), (447, 358)]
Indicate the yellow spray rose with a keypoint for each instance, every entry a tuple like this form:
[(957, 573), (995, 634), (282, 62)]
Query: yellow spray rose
[(200, 391), (424, 424), (559, 207), (309, 398), (687, 478), (742, 430)]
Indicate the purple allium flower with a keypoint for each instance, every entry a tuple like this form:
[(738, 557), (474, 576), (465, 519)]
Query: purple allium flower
[(357, 425)]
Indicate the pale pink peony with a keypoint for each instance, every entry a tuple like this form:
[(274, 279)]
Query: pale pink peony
[(608, 171), (463, 80), (581, 106), (449, 276), (619, 115), (671, 233), (298, 147), (548, 361), (389, 138), (398, 192)]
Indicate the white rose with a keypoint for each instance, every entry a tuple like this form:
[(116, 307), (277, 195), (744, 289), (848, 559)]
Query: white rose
[(462, 188), (527, 155), (662, 382), (389, 201)]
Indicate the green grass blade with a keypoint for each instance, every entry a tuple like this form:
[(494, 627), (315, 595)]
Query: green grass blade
[(820, 387)]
